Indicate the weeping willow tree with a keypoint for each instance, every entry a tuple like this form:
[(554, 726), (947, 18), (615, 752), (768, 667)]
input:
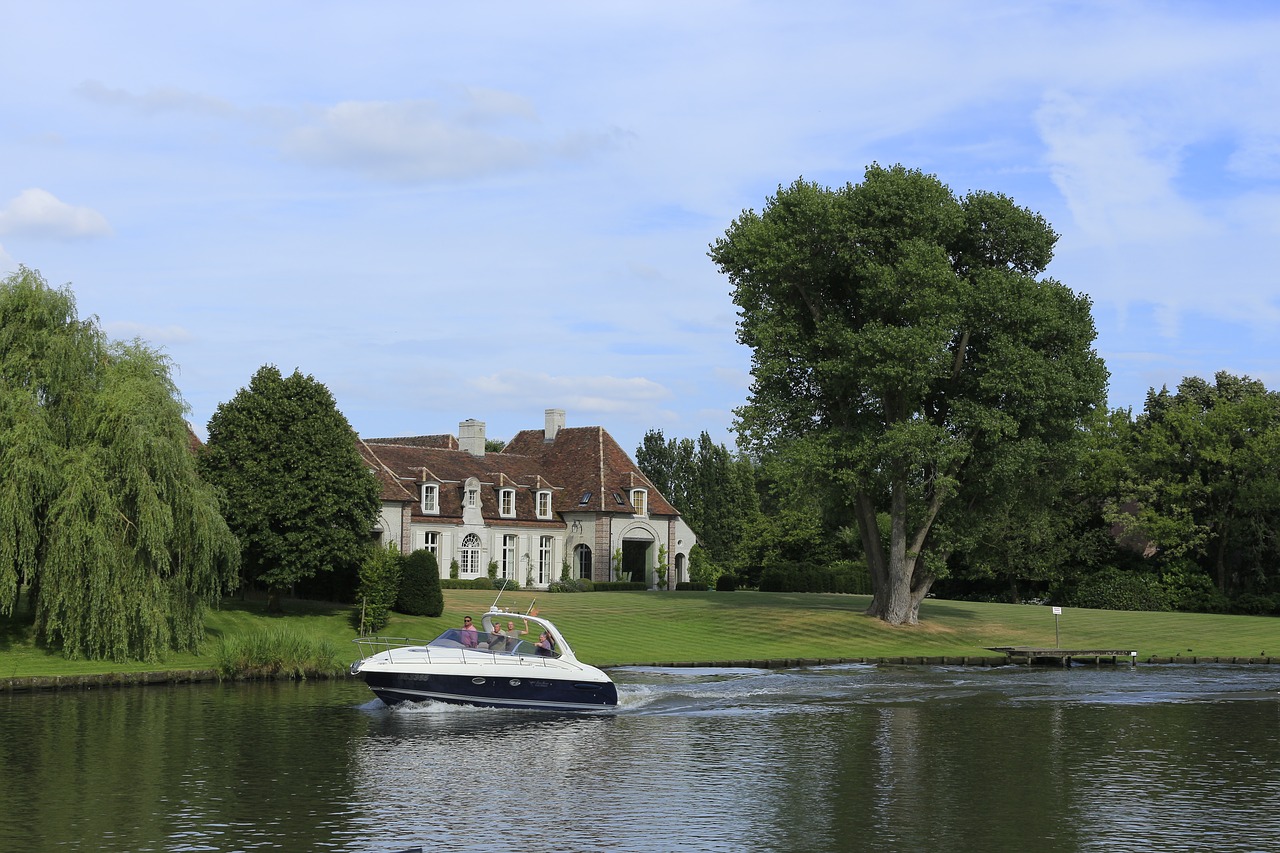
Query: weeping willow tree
[(103, 519)]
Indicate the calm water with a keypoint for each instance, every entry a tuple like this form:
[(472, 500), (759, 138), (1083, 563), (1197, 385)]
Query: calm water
[(826, 759)]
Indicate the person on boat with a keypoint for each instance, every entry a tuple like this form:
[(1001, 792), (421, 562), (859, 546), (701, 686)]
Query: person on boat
[(513, 636), (470, 636), (545, 645), (497, 638)]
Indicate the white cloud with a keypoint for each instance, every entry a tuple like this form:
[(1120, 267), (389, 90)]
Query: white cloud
[(406, 141), (155, 101), (39, 213), (412, 141), (1115, 170), (7, 264), (593, 394), (125, 330)]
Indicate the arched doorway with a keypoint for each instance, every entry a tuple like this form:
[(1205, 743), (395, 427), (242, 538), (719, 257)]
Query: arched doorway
[(582, 561), (637, 556)]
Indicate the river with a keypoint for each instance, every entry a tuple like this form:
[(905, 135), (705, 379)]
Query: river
[(1146, 758)]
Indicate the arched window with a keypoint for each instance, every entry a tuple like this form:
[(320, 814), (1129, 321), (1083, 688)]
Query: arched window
[(582, 560), (469, 555), (507, 503)]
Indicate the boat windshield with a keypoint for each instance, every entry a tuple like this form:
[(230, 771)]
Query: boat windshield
[(488, 641)]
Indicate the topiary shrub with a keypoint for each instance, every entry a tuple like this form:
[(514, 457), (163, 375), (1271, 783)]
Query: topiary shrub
[(727, 582), (420, 593)]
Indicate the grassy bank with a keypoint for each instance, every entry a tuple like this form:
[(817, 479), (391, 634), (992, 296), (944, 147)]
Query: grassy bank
[(610, 629)]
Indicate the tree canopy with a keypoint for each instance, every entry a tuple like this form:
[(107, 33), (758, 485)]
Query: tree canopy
[(102, 515), (1199, 484), (296, 491), (908, 358)]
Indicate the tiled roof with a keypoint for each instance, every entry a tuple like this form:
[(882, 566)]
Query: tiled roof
[(411, 465), (586, 470), (444, 442), (589, 464)]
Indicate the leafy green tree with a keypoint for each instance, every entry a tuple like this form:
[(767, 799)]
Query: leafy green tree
[(714, 491), (379, 586), (420, 593), (102, 514), (1201, 485), (296, 491), (907, 356)]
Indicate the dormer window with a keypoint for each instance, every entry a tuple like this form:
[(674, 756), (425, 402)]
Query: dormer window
[(430, 499), (473, 498), (640, 501), (507, 503), (543, 503)]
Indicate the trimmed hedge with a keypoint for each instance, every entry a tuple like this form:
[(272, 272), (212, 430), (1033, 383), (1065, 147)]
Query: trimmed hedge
[(691, 586), (473, 583), (620, 586), (800, 577)]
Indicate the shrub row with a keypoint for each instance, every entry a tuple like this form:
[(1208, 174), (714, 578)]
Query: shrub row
[(571, 585), (843, 577)]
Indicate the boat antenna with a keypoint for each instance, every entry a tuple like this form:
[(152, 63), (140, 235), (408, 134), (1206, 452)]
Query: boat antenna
[(494, 606)]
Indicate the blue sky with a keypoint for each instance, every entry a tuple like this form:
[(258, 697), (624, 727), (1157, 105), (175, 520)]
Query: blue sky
[(451, 211)]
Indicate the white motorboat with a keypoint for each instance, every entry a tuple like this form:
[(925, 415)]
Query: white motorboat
[(488, 666)]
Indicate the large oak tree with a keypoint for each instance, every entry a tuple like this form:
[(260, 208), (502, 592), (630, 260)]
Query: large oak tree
[(908, 357), (102, 515)]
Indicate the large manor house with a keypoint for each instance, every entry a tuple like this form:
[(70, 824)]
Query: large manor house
[(551, 498)]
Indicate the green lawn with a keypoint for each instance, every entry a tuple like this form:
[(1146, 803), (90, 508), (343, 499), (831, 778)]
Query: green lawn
[(618, 628)]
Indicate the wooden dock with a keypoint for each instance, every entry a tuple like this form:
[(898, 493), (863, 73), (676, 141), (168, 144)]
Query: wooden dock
[(1032, 655)]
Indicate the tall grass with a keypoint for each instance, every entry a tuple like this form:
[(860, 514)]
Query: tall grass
[(275, 652)]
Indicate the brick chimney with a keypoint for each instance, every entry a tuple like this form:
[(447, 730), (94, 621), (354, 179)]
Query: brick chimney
[(555, 423), (471, 436)]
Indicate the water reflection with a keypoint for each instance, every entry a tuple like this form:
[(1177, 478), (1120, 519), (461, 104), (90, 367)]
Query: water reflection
[(834, 758)]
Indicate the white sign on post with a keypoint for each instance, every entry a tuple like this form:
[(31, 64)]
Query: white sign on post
[(1057, 611)]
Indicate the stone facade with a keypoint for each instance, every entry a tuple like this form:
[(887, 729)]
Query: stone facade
[(553, 501)]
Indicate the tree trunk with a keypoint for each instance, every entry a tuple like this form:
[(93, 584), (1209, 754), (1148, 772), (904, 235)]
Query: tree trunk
[(273, 600), (906, 583)]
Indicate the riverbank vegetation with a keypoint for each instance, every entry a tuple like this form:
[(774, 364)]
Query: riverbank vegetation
[(926, 422), (619, 628)]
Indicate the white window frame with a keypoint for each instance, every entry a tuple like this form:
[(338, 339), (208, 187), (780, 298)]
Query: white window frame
[(545, 548), (431, 543), (469, 555), (430, 498), (543, 504), (640, 501), (473, 498), (510, 567), (507, 503)]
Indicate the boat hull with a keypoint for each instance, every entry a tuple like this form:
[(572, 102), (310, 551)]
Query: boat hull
[(491, 691)]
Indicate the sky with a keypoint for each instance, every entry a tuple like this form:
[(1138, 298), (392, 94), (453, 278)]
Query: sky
[(446, 211)]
